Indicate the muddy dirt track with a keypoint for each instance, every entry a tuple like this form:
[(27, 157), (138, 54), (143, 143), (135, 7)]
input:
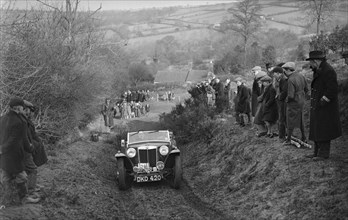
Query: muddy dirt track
[(80, 183)]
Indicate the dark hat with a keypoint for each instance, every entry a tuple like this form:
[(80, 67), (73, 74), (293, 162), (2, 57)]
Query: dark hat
[(316, 55), (345, 54), (266, 79), (16, 102), (278, 69)]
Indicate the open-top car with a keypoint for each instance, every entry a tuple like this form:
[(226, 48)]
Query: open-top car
[(148, 156)]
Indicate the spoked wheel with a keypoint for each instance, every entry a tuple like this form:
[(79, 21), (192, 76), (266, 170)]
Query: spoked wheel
[(177, 173), (122, 175)]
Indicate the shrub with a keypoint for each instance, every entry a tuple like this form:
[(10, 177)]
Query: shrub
[(192, 120)]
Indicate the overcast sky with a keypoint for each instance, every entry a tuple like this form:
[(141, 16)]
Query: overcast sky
[(120, 5)]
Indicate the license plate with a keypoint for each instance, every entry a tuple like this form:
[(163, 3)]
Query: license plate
[(149, 178)]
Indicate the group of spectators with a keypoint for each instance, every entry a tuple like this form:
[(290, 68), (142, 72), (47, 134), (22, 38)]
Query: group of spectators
[(275, 103), (136, 96), (123, 109), (280, 96), (21, 152)]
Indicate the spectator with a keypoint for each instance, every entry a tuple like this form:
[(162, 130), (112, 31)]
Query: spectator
[(107, 112), (228, 93), (30, 164), (14, 141), (257, 89), (242, 103), (219, 93), (269, 105), (248, 110), (281, 86), (210, 92), (325, 122), (297, 91)]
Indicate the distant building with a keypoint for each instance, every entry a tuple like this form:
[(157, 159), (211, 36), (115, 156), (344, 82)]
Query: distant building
[(217, 25)]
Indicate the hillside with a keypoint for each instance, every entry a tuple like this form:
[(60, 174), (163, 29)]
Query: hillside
[(284, 15)]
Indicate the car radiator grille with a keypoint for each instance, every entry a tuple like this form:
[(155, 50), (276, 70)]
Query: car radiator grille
[(148, 156)]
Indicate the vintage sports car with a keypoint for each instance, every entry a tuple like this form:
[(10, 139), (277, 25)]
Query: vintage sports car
[(149, 156)]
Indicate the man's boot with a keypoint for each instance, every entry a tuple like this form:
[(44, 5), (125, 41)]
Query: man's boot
[(315, 153), (23, 194), (6, 192), (324, 151)]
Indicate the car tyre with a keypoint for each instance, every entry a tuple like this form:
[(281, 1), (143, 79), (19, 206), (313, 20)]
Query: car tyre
[(122, 175), (177, 171)]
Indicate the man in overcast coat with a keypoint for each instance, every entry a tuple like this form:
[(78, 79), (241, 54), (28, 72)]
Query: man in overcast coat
[(14, 141), (325, 122)]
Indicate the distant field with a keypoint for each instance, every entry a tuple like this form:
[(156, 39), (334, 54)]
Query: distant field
[(273, 24), (187, 35), (279, 14), (268, 10)]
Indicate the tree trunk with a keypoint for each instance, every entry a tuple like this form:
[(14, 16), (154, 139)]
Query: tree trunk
[(318, 25)]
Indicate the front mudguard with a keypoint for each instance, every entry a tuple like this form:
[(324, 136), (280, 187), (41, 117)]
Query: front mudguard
[(127, 162), (170, 161)]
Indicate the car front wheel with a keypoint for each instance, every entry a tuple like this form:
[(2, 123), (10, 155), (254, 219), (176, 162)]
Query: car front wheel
[(177, 171), (122, 175)]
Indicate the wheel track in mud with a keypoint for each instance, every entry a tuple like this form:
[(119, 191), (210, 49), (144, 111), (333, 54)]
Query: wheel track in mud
[(159, 201)]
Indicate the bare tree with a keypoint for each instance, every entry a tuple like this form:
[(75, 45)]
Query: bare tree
[(245, 21), (46, 57), (318, 11)]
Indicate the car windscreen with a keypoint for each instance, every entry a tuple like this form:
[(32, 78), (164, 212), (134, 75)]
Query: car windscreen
[(142, 136)]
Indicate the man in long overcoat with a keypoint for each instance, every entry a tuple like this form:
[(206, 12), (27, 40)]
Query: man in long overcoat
[(220, 96), (325, 122), (296, 97), (14, 141)]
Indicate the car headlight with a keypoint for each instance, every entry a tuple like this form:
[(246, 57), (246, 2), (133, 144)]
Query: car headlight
[(131, 152), (164, 150)]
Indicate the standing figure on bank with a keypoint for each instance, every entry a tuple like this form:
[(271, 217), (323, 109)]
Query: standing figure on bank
[(297, 91), (14, 142), (256, 90), (269, 105), (228, 94), (325, 122), (242, 107), (219, 94), (281, 86), (107, 112)]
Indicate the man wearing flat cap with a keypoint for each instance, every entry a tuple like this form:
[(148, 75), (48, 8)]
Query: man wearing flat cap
[(325, 122), (14, 141), (296, 97)]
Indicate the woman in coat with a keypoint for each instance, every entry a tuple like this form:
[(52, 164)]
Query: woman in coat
[(269, 105), (325, 122)]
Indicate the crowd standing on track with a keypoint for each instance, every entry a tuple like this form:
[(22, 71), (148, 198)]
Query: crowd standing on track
[(277, 98)]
